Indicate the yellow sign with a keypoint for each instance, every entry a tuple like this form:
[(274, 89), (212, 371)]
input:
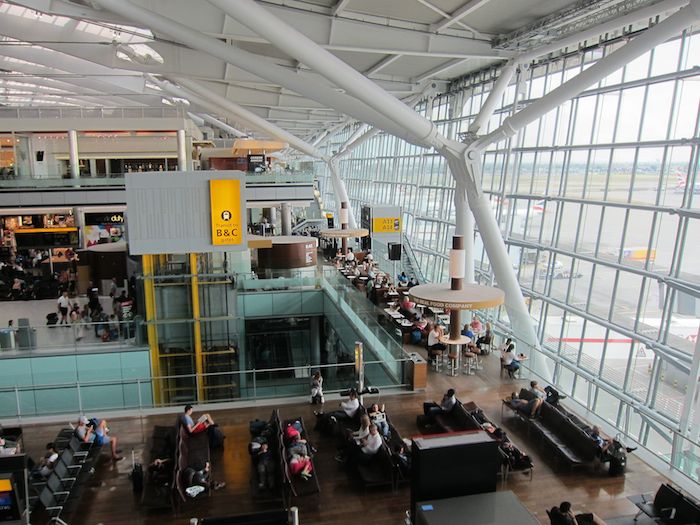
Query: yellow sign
[(386, 224), (226, 221)]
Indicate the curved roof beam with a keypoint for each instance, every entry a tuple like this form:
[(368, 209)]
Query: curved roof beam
[(296, 44), (204, 97), (321, 91)]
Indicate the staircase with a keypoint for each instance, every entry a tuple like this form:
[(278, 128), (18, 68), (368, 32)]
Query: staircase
[(409, 262)]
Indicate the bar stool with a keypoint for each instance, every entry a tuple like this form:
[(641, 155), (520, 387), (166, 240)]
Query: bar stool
[(438, 356), (469, 363), (453, 364)]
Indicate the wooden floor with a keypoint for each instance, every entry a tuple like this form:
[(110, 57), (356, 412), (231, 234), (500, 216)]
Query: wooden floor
[(111, 501)]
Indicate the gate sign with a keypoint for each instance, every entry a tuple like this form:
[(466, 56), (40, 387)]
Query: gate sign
[(226, 218), (386, 225)]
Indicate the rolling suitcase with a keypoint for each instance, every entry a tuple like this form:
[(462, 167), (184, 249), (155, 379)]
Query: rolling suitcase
[(136, 475)]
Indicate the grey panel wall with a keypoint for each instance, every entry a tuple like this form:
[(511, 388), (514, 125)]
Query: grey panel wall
[(169, 212)]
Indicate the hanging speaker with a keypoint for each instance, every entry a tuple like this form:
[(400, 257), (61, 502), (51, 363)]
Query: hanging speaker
[(394, 251), (40, 156)]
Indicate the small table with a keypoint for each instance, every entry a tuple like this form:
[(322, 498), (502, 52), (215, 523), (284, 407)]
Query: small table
[(490, 508)]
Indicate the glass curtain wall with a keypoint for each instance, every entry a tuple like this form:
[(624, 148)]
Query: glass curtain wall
[(599, 203)]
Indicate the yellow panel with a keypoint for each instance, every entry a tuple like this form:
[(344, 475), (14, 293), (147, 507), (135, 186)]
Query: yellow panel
[(227, 224), (5, 485), (386, 224), (45, 230)]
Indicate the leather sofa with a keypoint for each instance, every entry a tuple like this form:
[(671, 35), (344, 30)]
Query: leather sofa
[(562, 433)]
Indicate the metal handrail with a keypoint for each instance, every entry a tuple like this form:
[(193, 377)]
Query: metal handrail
[(411, 255)]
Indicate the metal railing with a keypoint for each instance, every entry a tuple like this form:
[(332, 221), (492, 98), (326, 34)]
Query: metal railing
[(413, 260), (51, 112), (80, 397), (45, 340), (59, 180)]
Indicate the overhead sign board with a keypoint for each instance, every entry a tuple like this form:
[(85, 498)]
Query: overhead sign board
[(227, 224), (186, 212), (386, 224)]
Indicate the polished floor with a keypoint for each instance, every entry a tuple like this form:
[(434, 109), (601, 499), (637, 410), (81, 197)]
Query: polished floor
[(341, 501)]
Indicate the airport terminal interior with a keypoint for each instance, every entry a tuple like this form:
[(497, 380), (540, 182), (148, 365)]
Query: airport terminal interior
[(328, 261)]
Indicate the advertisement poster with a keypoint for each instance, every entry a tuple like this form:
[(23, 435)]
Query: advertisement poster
[(103, 228)]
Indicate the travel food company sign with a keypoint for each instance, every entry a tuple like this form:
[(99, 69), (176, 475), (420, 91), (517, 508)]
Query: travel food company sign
[(182, 212), (226, 218)]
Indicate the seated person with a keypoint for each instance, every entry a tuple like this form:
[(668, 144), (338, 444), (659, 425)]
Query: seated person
[(95, 431), (200, 476), (510, 361), (402, 279), (369, 257), (378, 417), (467, 332), (449, 400), (530, 408), (407, 305), (563, 515), (301, 466), (419, 329), (350, 256), (203, 423), (160, 470), (537, 390), (368, 447), (485, 340), (509, 341), (476, 325), (363, 431), (604, 443), (434, 343), (266, 467), (348, 409), (403, 456), (44, 467), (294, 443), (412, 282)]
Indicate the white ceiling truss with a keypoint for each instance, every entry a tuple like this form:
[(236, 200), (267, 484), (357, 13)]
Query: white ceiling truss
[(74, 52)]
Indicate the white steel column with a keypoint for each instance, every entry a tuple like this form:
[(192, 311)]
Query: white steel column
[(181, 151), (691, 427), (286, 212), (73, 162), (464, 226), (341, 193), (222, 126), (470, 176)]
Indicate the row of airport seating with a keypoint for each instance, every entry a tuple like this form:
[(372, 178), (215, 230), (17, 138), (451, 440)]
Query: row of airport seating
[(60, 493), (560, 431), (465, 417)]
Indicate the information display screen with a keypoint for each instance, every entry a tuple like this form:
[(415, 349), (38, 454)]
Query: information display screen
[(47, 238)]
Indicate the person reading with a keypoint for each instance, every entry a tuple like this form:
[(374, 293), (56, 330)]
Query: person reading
[(203, 423)]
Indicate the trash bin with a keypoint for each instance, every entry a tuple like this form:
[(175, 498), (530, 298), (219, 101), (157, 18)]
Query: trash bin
[(26, 335), (7, 338), (417, 372)]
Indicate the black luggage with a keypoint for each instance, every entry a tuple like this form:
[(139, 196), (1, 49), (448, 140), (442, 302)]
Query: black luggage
[(136, 475), (618, 460), (216, 437), (51, 319), (258, 427)]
